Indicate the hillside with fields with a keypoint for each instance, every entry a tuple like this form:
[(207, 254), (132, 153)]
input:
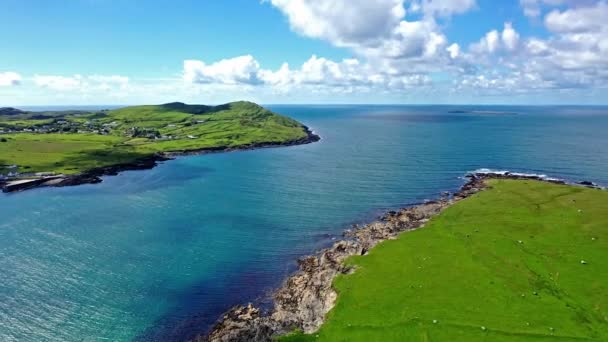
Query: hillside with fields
[(72, 142)]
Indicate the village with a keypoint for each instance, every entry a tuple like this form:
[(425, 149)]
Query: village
[(93, 126), (59, 126), (11, 176)]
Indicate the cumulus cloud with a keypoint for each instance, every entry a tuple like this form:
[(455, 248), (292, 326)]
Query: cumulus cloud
[(238, 70), (578, 20), (488, 44), (494, 41), (534, 8), (378, 31), (394, 51), (316, 72), (454, 50), (343, 22), (580, 43), (575, 56), (9, 78), (411, 39), (510, 37)]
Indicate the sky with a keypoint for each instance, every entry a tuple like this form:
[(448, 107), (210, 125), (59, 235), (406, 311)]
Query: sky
[(94, 52)]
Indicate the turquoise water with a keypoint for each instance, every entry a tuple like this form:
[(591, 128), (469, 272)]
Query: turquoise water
[(160, 254)]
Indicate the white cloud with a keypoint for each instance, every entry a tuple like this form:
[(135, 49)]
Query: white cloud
[(580, 43), (323, 71), (534, 8), (536, 47), (442, 8), (314, 74), (238, 70), (9, 78), (454, 50), (281, 77), (410, 40), (494, 41), (378, 31), (578, 20), (343, 22), (510, 37), (393, 52), (488, 44), (575, 56)]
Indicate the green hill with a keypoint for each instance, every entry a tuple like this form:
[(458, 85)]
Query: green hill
[(75, 141)]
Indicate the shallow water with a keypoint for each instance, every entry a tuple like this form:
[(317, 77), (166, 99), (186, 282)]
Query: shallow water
[(160, 254)]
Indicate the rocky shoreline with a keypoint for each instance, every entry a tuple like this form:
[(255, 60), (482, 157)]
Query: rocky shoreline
[(304, 299), (94, 176)]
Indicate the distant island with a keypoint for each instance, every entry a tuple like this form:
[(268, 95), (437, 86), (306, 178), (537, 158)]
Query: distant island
[(60, 148), (481, 112)]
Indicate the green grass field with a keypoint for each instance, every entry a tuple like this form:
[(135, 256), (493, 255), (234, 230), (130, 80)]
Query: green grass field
[(503, 265), (190, 127), (64, 153)]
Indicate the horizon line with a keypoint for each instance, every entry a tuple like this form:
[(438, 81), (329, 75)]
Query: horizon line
[(317, 104)]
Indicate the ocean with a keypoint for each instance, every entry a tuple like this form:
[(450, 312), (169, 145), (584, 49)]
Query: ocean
[(159, 255)]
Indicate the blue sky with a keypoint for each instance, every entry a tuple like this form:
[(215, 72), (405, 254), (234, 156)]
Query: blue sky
[(303, 51)]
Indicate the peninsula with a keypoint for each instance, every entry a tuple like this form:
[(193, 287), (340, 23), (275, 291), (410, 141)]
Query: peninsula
[(60, 148), (510, 257)]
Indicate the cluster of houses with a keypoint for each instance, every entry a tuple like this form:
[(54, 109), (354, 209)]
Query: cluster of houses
[(62, 126), (94, 127)]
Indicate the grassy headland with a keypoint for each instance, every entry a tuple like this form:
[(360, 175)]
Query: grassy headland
[(520, 261), (71, 142)]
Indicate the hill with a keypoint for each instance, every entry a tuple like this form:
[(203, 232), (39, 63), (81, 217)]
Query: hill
[(73, 142)]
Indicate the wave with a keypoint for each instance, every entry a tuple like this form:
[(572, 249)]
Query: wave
[(486, 171)]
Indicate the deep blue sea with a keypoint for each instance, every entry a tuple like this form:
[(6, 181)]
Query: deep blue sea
[(158, 255)]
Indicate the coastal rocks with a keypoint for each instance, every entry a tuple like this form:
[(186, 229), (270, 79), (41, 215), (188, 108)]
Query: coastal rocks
[(242, 323), (308, 295), (90, 177), (488, 174), (301, 303), (94, 176), (590, 185)]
